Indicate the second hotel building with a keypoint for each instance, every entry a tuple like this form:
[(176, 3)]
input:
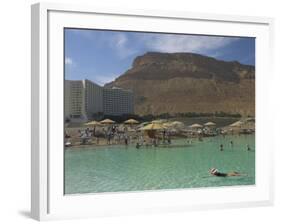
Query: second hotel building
[(85, 99)]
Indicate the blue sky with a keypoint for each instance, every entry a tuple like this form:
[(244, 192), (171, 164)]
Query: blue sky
[(102, 56)]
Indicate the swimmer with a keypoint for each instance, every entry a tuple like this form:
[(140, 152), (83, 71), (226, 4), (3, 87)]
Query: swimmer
[(215, 172)]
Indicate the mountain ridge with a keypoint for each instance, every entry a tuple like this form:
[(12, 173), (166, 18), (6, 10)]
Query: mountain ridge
[(188, 82)]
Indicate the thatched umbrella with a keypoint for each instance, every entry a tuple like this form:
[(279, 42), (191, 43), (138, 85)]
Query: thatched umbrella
[(250, 119), (237, 124), (177, 123), (174, 124), (92, 123), (107, 121), (145, 123), (142, 125), (151, 129), (131, 121), (153, 126), (249, 123), (196, 126), (210, 124)]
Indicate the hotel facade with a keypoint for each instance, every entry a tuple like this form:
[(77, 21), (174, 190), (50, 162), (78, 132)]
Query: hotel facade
[(85, 99)]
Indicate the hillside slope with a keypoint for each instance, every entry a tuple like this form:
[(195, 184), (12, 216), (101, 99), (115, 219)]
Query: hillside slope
[(186, 82)]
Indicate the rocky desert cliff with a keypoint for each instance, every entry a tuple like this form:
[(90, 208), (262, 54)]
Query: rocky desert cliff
[(187, 82)]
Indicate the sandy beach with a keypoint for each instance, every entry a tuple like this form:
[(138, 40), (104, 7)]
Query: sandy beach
[(81, 136)]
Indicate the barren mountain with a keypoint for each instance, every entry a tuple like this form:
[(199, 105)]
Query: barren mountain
[(187, 82)]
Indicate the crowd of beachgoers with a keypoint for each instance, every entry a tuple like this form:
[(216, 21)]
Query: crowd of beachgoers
[(154, 133)]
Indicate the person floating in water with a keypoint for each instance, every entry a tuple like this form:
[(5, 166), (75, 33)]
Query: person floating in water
[(248, 147), (221, 147), (215, 172), (231, 143)]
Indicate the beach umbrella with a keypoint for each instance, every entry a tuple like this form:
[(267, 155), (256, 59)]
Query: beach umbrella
[(145, 123), (250, 123), (173, 130), (177, 123), (92, 123), (174, 124), (107, 121), (250, 119), (236, 124), (168, 124), (131, 121), (142, 124), (153, 126), (210, 124), (196, 126)]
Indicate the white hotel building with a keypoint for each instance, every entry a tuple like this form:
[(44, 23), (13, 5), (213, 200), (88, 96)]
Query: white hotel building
[(83, 99)]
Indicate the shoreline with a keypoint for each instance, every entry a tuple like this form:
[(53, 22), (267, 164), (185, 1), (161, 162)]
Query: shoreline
[(166, 145)]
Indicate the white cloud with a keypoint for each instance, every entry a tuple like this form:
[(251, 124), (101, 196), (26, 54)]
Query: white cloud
[(185, 43), (68, 61), (124, 45), (119, 42)]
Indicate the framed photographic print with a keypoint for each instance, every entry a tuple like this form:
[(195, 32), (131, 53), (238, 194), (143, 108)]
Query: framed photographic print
[(148, 111)]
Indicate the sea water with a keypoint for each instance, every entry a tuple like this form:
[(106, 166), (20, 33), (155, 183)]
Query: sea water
[(118, 168)]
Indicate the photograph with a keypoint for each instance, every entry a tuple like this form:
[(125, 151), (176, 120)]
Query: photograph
[(150, 111)]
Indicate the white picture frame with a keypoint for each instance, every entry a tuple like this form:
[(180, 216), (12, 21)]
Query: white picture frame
[(48, 201)]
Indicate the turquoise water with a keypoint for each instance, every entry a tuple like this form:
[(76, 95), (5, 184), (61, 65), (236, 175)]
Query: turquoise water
[(120, 168)]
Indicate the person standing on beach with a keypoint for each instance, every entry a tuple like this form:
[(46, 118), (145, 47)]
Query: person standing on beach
[(108, 137), (141, 139), (164, 136), (87, 131), (126, 139), (154, 142)]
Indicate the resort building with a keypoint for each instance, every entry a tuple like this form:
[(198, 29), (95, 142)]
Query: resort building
[(117, 101), (93, 98), (84, 99), (74, 95)]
